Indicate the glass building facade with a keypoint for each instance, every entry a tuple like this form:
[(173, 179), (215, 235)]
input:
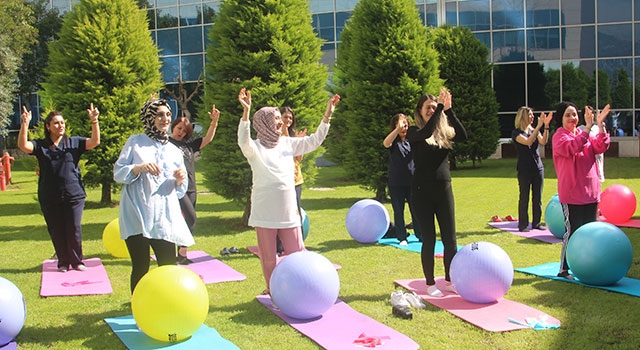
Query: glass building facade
[(543, 51)]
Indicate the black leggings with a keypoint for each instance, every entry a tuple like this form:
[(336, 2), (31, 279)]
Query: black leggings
[(139, 251), (575, 216), (433, 200)]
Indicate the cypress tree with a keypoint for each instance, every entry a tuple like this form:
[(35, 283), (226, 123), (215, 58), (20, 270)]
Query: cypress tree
[(270, 48), (464, 67), (105, 56), (385, 62)]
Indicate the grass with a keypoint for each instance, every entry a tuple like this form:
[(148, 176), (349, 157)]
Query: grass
[(591, 318)]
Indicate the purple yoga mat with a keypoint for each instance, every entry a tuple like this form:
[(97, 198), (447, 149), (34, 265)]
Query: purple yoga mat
[(92, 281), (541, 235), (341, 327), (212, 270)]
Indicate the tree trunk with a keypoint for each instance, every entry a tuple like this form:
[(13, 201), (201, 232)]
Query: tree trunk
[(246, 213), (106, 192)]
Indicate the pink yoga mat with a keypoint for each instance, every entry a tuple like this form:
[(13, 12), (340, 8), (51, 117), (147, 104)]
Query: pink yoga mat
[(341, 327), (492, 317), (633, 223), (254, 250), (211, 270), (541, 235), (92, 281)]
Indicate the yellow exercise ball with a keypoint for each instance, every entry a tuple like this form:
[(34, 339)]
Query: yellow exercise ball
[(170, 303), (115, 245)]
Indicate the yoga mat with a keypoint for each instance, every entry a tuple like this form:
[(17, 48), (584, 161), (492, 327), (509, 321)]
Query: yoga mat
[(633, 223), (254, 249), (92, 281), (209, 269), (414, 245), (550, 270), (541, 235), (133, 338), (341, 327), (493, 317)]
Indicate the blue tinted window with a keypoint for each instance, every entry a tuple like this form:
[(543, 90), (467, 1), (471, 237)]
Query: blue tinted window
[(615, 40), (543, 44), (341, 19), (579, 42), (510, 87), (323, 26), (167, 17), (191, 40), (190, 15), (614, 11), (451, 14), (508, 14), (544, 17), (474, 14), (349, 5), (168, 41), (508, 46), (485, 38), (170, 68), (432, 15), (320, 5), (637, 43), (209, 11), (151, 15), (165, 2), (578, 12), (192, 67), (420, 9)]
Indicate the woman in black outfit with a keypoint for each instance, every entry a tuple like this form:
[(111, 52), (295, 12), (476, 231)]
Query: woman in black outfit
[(431, 191)]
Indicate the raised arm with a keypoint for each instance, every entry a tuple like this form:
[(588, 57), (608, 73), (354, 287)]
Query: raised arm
[(245, 100), (388, 140), (23, 141), (331, 107), (94, 140), (211, 132)]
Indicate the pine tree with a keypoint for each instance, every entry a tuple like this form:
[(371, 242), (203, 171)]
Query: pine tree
[(268, 47), (464, 67), (105, 56), (385, 62)]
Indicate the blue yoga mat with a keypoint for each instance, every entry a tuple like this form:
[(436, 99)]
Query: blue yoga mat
[(133, 338), (550, 270), (413, 245)]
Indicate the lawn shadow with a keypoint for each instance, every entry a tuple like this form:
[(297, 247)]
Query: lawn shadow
[(15, 209)]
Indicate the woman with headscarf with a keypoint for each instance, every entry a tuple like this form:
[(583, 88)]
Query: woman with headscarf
[(274, 211), (154, 178)]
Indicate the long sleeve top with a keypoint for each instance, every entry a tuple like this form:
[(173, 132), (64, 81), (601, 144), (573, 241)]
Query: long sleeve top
[(273, 197), (575, 163), (149, 204), (432, 162)]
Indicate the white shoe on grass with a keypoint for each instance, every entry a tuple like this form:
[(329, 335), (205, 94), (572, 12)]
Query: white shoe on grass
[(414, 300)]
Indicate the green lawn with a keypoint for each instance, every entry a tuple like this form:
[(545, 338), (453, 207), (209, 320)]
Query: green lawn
[(591, 318)]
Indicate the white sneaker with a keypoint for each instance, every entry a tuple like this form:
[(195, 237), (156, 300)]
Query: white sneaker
[(414, 300), (404, 243), (449, 287), (434, 291), (398, 299)]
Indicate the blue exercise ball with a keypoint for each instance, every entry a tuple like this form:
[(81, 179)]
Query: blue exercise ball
[(13, 311), (304, 285), (554, 217), (482, 272), (305, 224), (367, 221), (599, 253)]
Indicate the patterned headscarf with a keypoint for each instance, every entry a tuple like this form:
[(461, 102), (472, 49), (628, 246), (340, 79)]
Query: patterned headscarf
[(264, 123), (148, 117)]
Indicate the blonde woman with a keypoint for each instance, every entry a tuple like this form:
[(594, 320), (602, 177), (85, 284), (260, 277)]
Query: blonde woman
[(530, 169), (431, 192)]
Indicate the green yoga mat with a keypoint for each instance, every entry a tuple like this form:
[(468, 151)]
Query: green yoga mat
[(550, 270), (413, 245)]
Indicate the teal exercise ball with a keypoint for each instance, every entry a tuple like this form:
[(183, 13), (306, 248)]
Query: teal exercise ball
[(554, 217), (599, 253), (305, 224)]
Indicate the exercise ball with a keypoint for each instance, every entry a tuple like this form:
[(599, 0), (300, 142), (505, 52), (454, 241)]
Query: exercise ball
[(305, 224), (367, 221), (554, 217), (482, 272), (170, 303), (112, 242), (617, 204), (304, 285), (599, 253), (13, 311)]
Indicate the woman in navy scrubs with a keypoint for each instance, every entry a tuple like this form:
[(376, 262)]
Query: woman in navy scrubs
[(60, 189)]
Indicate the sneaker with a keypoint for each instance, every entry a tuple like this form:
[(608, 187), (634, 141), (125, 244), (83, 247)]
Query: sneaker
[(63, 269), (402, 312), (398, 299), (526, 229), (565, 274), (54, 256), (510, 218), (80, 267), (183, 260), (539, 227), (409, 226), (404, 243), (414, 300), (434, 291), (449, 287), (234, 250), (496, 218), (225, 251)]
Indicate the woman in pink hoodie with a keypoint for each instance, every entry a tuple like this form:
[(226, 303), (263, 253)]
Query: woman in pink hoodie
[(574, 158)]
